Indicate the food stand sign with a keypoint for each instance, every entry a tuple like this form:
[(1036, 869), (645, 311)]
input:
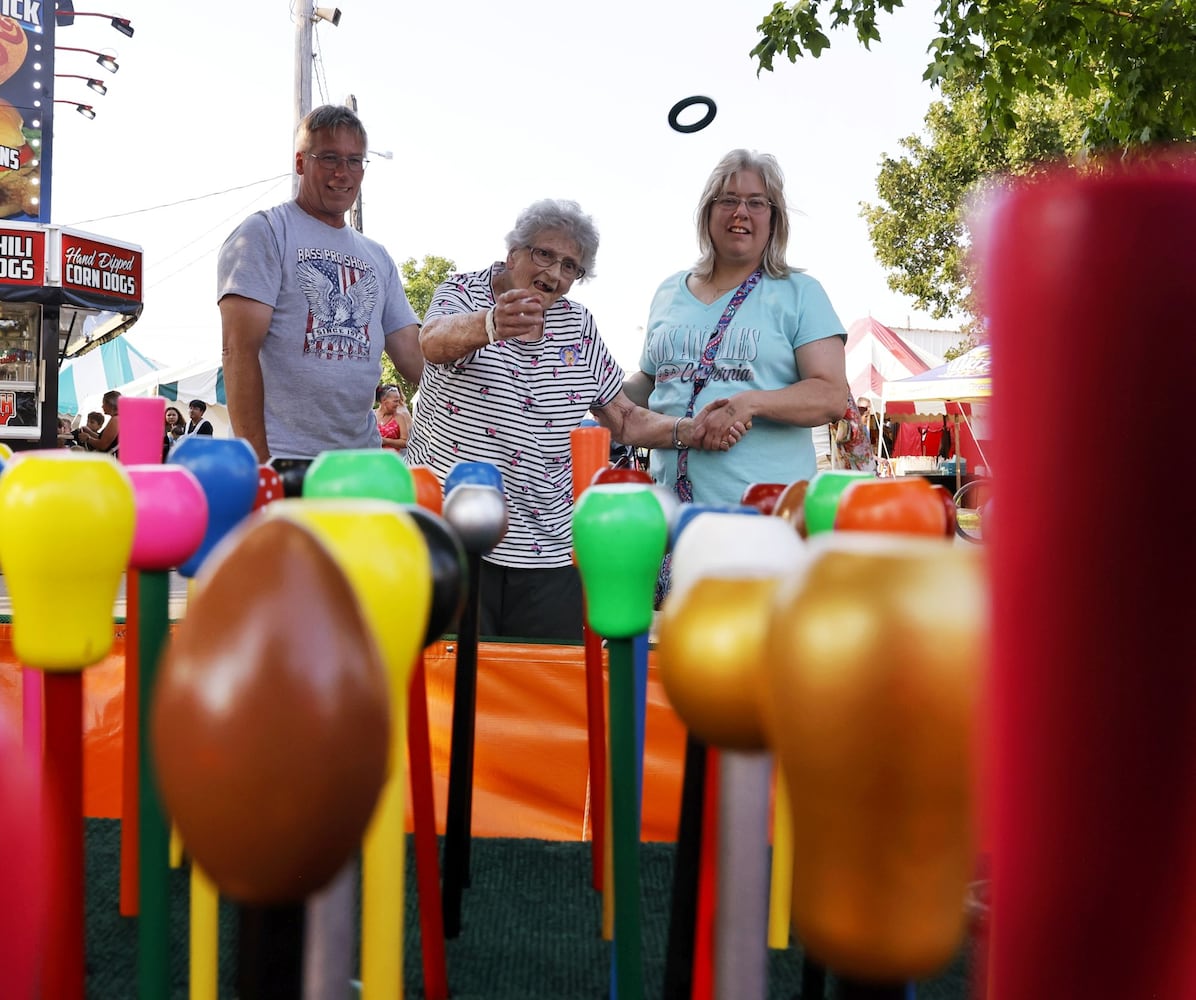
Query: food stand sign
[(22, 257), (26, 108), (105, 268), (62, 293)]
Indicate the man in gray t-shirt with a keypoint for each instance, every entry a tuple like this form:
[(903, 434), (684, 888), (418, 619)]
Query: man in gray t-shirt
[(308, 304)]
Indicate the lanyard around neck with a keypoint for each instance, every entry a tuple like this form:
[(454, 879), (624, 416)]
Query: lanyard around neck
[(683, 487)]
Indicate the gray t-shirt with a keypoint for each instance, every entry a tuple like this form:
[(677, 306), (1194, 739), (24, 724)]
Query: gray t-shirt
[(335, 294)]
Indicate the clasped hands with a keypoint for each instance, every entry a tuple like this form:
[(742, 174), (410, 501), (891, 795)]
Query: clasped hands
[(717, 427)]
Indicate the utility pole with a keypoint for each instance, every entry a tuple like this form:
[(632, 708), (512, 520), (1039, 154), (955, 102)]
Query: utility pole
[(303, 57), (306, 15), (355, 211)]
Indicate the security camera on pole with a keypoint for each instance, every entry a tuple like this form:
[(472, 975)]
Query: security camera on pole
[(306, 16)]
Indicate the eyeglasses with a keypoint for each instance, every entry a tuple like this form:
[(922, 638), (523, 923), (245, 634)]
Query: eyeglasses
[(330, 161), (755, 205), (546, 258)]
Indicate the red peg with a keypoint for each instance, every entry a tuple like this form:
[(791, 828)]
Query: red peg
[(763, 496), (269, 487), (24, 888), (623, 474), (1087, 280)]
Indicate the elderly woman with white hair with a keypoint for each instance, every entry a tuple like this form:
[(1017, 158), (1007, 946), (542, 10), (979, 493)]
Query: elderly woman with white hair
[(512, 366)]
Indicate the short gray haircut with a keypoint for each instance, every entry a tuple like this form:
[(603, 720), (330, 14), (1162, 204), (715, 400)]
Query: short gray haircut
[(764, 164), (328, 118), (558, 216)]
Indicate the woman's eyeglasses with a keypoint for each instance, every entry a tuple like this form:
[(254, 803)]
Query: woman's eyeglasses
[(546, 259), (755, 205)]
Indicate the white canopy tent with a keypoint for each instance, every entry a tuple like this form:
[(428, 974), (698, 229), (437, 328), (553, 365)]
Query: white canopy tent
[(84, 379), (194, 380), (965, 379)]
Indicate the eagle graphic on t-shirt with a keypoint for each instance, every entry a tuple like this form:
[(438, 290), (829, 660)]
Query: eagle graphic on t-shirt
[(340, 303)]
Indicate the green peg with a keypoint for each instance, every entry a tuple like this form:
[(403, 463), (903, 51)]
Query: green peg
[(619, 537), (360, 472), (822, 497)]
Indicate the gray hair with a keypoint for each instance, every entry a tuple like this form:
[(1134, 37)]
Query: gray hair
[(328, 118), (559, 216), (764, 164)]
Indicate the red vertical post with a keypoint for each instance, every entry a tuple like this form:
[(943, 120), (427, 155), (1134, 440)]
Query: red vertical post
[(1089, 283), (62, 963), (703, 970), (423, 814), (590, 453)]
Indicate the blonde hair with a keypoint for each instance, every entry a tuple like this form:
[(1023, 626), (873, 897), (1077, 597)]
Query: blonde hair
[(764, 164)]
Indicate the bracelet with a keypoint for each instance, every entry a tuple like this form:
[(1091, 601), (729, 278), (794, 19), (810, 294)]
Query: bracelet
[(491, 332), (677, 445)]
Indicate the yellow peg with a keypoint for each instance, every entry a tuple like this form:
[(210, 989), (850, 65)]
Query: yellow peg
[(68, 527), (876, 657), (68, 523)]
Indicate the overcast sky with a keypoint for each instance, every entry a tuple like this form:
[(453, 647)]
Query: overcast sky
[(486, 107)]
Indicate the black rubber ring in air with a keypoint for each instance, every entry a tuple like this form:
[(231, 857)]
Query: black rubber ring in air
[(689, 102)]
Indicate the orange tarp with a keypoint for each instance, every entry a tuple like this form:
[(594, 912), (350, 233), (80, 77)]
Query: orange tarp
[(530, 755)]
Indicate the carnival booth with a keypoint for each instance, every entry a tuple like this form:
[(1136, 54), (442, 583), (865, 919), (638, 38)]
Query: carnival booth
[(63, 293), (955, 394)]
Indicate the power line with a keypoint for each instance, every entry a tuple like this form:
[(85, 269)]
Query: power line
[(181, 201), (318, 67), (236, 214)]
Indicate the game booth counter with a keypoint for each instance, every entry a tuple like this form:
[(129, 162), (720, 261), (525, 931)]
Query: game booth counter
[(63, 292), (531, 771)]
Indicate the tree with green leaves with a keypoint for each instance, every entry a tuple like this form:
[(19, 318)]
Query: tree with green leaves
[(420, 282), (919, 225), (1137, 54)]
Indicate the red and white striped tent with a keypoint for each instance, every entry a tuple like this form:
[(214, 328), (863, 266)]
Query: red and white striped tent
[(876, 355)]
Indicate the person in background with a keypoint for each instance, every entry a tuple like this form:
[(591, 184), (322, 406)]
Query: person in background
[(394, 420), (871, 422), (94, 422), (176, 427), (512, 367), (853, 448), (307, 305), (779, 361), (66, 436), (198, 424), (106, 438)]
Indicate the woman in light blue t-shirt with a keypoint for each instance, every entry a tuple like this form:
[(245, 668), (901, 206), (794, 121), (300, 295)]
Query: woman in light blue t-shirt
[(780, 356)]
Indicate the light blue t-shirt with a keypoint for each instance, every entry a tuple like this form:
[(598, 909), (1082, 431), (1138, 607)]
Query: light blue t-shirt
[(778, 316)]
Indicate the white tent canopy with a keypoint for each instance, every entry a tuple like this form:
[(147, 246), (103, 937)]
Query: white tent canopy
[(965, 379), (198, 379), (83, 380), (194, 380)]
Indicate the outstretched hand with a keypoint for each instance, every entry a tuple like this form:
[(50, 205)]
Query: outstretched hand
[(717, 427), (519, 312)]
